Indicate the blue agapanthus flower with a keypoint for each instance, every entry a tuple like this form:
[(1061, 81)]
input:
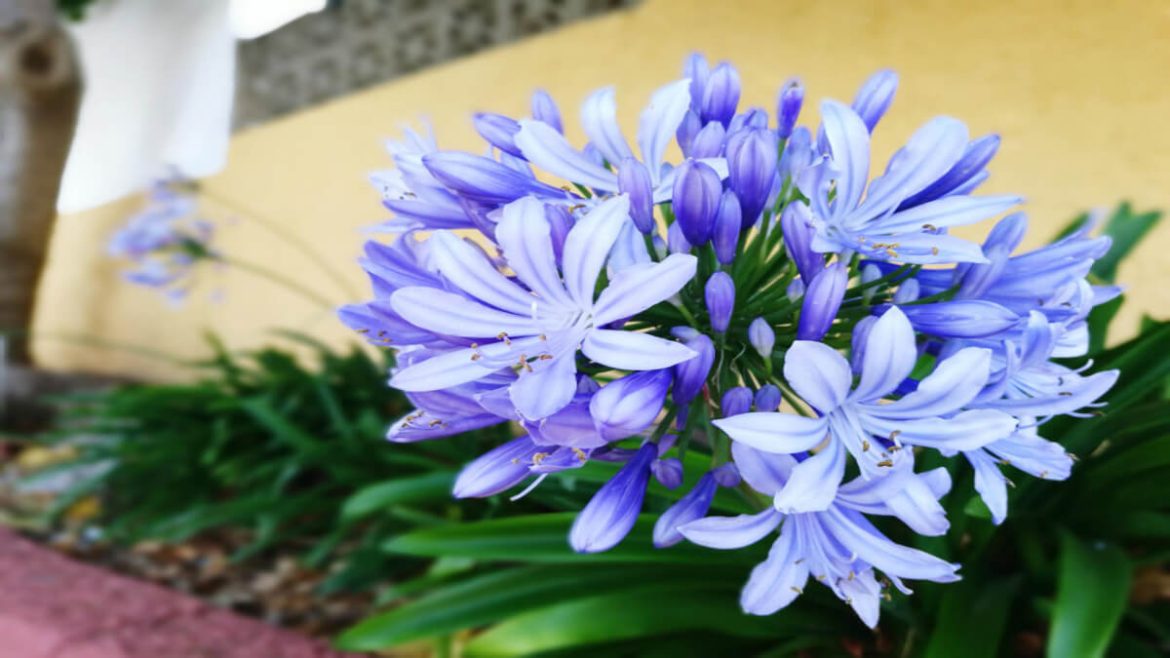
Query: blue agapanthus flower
[(733, 283), (166, 241)]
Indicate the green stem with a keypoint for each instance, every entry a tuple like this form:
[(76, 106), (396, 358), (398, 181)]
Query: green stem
[(275, 228), (284, 281)]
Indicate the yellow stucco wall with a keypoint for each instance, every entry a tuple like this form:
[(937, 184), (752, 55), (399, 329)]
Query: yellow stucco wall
[(1076, 88)]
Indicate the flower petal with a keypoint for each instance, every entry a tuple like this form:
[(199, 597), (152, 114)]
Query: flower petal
[(637, 288), (948, 211), (628, 350), (953, 384), (726, 532), (773, 431), (599, 118), (548, 149), (779, 579), (813, 484), (497, 470), (659, 122), (588, 245), (990, 483), (1033, 455), (818, 374), (848, 141), (546, 389), (928, 154), (455, 315), (766, 472), (468, 269), (525, 236), (889, 356), (690, 507), (870, 545), (963, 431), (1077, 393), (457, 366)]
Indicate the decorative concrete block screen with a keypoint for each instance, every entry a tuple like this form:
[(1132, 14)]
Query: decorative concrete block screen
[(358, 43)]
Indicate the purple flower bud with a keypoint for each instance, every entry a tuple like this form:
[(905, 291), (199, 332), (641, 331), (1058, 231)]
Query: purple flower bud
[(821, 302), (875, 96), (727, 224), (660, 248), (499, 131), (484, 180), (762, 337), (768, 398), (720, 295), (697, 189), (788, 107), (668, 472), (736, 401), (696, 68), (721, 94), (690, 507), (965, 174), (610, 514), (559, 221), (869, 274), (753, 118), (796, 223), (634, 180), (798, 160), (752, 157), (907, 292), (676, 242), (497, 470), (795, 289), (689, 376), (708, 143), (545, 109), (687, 130), (961, 318), (726, 476), (629, 405)]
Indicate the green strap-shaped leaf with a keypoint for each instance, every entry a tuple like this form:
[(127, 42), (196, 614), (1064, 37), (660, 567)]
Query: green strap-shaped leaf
[(544, 538), (376, 497), (971, 618), (1090, 599), (660, 609), (1127, 229), (490, 597)]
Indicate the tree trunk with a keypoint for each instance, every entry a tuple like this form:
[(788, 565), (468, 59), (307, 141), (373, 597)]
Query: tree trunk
[(40, 91)]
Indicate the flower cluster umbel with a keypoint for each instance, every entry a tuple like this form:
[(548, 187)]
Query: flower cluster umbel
[(166, 241), (763, 289)]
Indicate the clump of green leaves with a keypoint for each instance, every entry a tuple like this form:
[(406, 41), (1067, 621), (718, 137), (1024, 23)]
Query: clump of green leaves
[(292, 452)]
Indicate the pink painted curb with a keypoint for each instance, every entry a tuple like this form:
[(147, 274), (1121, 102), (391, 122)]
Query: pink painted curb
[(53, 607)]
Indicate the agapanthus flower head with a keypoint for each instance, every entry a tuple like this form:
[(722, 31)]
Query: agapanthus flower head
[(166, 241), (759, 299)]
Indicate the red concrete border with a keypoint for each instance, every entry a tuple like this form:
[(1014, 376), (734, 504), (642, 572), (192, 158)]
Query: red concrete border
[(53, 607)]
